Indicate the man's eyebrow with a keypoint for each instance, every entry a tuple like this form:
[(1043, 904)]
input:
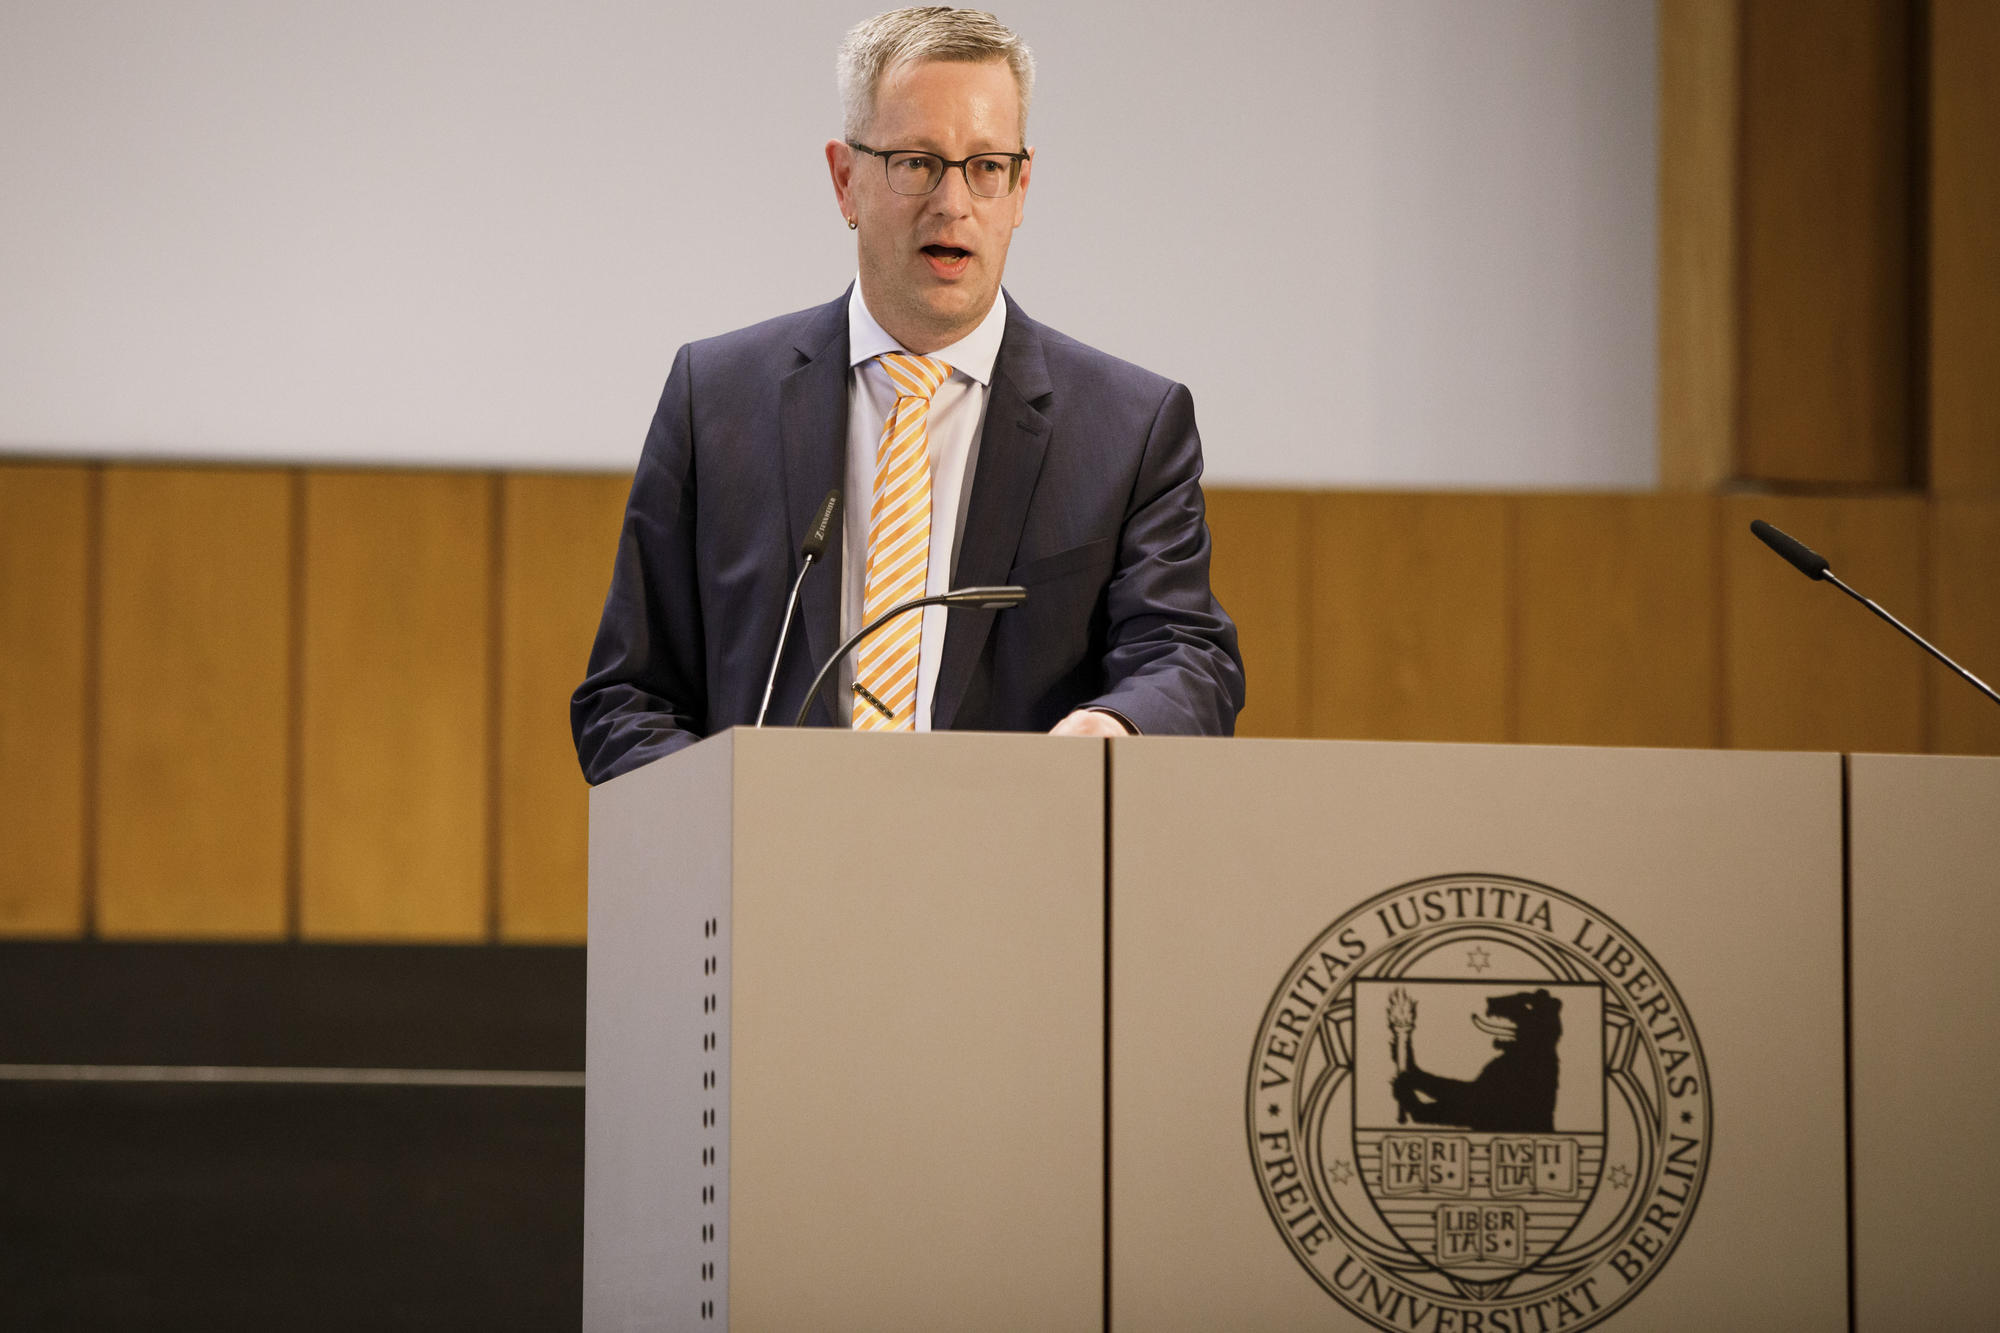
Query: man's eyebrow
[(922, 145)]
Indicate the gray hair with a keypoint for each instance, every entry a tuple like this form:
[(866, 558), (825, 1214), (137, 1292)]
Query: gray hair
[(932, 32)]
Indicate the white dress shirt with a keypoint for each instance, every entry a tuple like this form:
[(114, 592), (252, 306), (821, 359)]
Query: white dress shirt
[(957, 417)]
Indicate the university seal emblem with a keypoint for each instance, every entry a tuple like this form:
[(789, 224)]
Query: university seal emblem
[(1475, 1102)]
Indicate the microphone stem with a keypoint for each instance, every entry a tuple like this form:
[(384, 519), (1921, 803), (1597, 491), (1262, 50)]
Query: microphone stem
[(848, 647), (784, 628), (1915, 637)]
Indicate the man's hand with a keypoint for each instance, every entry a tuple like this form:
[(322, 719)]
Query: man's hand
[(1089, 722)]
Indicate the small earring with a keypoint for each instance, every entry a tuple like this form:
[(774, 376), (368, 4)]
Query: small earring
[(852, 225)]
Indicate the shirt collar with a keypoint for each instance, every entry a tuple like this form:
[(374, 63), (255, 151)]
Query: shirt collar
[(972, 356)]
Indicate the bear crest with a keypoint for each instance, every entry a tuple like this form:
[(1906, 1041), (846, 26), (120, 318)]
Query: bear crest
[(1516, 1092)]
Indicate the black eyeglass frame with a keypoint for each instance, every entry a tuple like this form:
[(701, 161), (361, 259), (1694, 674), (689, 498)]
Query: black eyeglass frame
[(1013, 179)]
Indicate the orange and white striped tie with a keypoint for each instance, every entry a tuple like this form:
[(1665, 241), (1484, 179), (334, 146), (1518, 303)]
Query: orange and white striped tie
[(899, 548)]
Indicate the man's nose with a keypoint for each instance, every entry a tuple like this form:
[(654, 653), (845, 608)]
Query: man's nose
[(953, 195)]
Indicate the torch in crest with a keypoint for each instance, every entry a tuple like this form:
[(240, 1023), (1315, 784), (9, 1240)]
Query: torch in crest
[(1402, 1022)]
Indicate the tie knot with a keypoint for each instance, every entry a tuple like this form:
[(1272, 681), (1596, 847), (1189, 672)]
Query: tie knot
[(914, 376)]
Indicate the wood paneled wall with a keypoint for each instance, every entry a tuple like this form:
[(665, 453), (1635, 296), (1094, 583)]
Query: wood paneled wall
[(396, 708), (1408, 627), (1805, 662), (1792, 264), (48, 610), (1700, 126), (1828, 278), (557, 539), (239, 703), (1964, 248), (1830, 326), (1619, 639), (327, 705), (1964, 587), (194, 696)]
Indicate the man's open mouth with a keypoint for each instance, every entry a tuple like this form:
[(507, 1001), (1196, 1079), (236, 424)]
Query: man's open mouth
[(949, 254)]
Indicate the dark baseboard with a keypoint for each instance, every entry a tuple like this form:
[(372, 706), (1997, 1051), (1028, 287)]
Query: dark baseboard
[(377, 1006), (134, 1198)]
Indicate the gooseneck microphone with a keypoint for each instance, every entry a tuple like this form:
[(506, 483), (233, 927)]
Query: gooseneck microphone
[(985, 599), (810, 550), (1802, 557), (1814, 566)]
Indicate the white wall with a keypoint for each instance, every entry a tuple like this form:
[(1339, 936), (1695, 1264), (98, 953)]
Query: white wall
[(1386, 242)]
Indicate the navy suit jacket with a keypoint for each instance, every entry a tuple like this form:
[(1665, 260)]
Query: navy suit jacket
[(1086, 491)]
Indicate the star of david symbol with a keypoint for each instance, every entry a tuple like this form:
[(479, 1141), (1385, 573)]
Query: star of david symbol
[(1340, 1172), (1478, 959), (1621, 1177)]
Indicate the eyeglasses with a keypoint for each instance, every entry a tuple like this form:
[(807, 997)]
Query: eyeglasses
[(988, 175)]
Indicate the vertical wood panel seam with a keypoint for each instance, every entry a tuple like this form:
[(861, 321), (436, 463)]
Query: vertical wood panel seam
[(295, 705), (1510, 610), (1928, 684), (496, 560), (1739, 264), (1663, 339), (93, 675), (1917, 267), (1302, 605), (1719, 581)]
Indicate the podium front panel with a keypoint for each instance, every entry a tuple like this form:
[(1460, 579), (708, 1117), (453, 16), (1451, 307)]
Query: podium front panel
[(887, 1111), (1925, 849), (1434, 1037)]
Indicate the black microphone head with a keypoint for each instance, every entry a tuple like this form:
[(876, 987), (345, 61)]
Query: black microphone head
[(987, 599), (814, 545), (1801, 557)]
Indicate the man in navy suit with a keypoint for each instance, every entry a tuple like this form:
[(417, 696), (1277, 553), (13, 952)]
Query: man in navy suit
[(1052, 465)]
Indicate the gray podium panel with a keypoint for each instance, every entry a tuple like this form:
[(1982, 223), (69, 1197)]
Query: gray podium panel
[(1436, 1037), (1925, 866), (845, 1060)]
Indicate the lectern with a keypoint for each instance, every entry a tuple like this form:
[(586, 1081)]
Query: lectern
[(846, 1035), (1010, 1032)]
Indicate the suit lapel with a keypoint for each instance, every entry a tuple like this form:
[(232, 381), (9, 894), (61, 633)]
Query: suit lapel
[(1011, 445), (812, 408)]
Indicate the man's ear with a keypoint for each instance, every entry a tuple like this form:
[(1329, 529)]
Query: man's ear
[(1021, 190), (840, 166)]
